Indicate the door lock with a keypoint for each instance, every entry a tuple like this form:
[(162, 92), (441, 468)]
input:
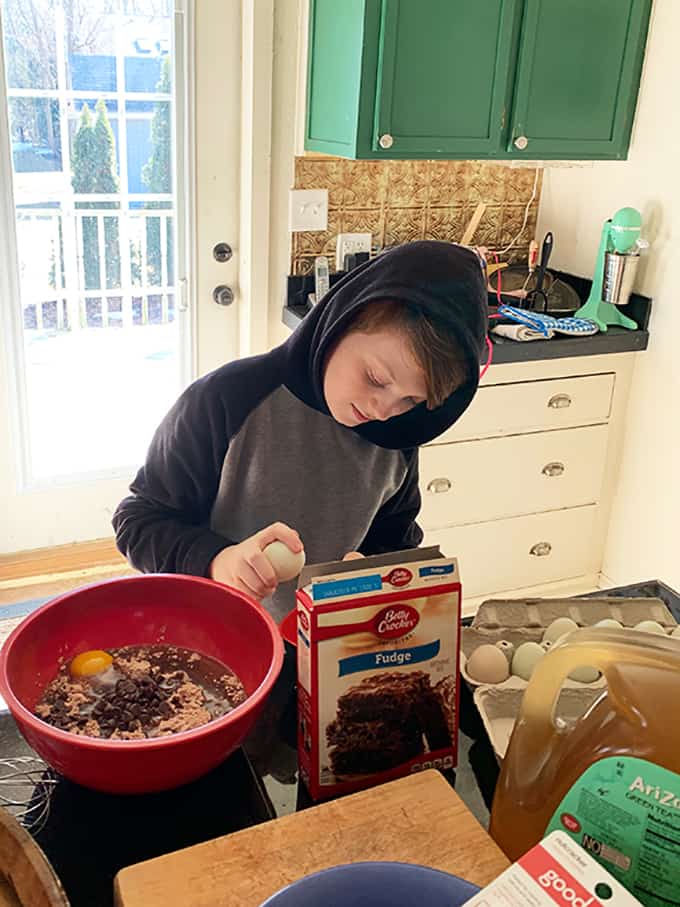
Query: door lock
[(222, 252)]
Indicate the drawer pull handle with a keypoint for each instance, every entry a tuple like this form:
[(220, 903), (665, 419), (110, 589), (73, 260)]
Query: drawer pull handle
[(553, 469), (559, 401), (439, 486), (541, 549)]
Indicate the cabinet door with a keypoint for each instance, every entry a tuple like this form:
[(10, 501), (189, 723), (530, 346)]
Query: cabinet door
[(444, 76), (578, 77)]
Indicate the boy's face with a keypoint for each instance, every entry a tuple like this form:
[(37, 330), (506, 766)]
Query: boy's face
[(372, 377)]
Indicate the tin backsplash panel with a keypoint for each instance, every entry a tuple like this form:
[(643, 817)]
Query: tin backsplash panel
[(400, 201)]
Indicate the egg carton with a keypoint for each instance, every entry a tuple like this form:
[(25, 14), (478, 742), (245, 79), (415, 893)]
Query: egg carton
[(525, 619), (499, 706)]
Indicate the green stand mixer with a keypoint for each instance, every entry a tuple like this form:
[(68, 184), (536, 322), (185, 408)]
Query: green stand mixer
[(617, 260)]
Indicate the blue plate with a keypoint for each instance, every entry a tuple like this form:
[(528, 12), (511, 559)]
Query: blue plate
[(375, 885)]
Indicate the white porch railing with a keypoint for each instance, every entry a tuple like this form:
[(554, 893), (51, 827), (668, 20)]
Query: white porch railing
[(111, 268)]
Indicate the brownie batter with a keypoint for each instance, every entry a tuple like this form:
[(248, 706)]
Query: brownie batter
[(148, 691)]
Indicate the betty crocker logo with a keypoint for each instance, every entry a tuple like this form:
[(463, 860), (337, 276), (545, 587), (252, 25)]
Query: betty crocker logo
[(396, 621), (400, 576)]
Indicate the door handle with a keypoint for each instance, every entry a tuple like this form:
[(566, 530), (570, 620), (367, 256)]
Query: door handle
[(223, 295), (183, 304)]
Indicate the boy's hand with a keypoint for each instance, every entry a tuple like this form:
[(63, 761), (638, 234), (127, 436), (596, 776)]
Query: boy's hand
[(352, 555), (246, 568)]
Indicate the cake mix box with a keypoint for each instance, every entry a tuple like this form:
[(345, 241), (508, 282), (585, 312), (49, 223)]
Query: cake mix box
[(377, 648)]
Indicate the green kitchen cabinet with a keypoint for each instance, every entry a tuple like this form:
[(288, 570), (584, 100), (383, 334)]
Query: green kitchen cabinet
[(494, 79)]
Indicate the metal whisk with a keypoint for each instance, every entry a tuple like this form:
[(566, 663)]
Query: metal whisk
[(26, 786)]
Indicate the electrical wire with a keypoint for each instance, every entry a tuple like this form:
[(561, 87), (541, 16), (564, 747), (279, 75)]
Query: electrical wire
[(489, 359), (524, 221)]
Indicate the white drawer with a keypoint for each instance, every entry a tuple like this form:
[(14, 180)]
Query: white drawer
[(507, 409), (525, 551), (474, 481)]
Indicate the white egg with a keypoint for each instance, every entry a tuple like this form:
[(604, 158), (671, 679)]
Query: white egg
[(559, 627), (286, 564), (526, 658), (609, 623), (584, 674), (676, 633), (487, 664), (650, 626)]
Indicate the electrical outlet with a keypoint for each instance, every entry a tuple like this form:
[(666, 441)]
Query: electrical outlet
[(350, 244), (308, 210)]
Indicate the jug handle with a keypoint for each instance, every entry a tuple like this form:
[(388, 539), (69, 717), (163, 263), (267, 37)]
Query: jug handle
[(602, 649)]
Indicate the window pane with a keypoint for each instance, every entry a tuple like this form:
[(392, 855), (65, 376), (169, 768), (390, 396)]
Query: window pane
[(90, 30), (36, 134), (30, 43)]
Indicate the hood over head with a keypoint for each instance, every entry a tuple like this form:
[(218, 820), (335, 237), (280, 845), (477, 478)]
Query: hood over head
[(445, 281)]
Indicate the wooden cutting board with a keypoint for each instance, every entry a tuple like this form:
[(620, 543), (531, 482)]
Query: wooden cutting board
[(26, 877), (418, 819)]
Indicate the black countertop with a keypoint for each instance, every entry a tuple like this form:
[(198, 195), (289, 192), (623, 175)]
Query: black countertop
[(88, 836), (615, 340)]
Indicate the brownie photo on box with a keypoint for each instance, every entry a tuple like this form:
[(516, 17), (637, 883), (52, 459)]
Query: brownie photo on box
[(439, 714), (381, 722), (372, 746)]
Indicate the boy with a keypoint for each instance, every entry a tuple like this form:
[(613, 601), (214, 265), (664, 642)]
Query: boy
[(320, 435)]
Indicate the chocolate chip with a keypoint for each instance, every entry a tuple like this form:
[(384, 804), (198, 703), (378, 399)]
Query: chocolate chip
[(126, 687), (165, 709)]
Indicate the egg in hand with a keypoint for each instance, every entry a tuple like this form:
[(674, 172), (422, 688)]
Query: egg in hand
[(87, 664)]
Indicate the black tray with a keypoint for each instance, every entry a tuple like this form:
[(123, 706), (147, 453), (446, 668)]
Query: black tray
[(653, 588)]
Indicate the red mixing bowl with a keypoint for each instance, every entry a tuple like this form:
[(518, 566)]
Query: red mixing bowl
[(185, 611)]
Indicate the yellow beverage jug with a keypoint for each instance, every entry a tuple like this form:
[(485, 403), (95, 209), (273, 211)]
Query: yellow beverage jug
[(612, 779)]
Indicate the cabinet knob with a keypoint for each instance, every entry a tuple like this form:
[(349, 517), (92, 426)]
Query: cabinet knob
[(521, 142), (553, 469), (559, 401), (439, 486), (540, 549), (386, 141)]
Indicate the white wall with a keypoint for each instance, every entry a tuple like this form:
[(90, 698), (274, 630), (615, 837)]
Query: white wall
[(643, 536), (284, 125)]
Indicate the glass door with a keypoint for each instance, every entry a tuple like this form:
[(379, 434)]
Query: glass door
[(97, 213)]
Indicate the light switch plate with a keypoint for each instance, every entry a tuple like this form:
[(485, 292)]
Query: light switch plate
[(308, 210)]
